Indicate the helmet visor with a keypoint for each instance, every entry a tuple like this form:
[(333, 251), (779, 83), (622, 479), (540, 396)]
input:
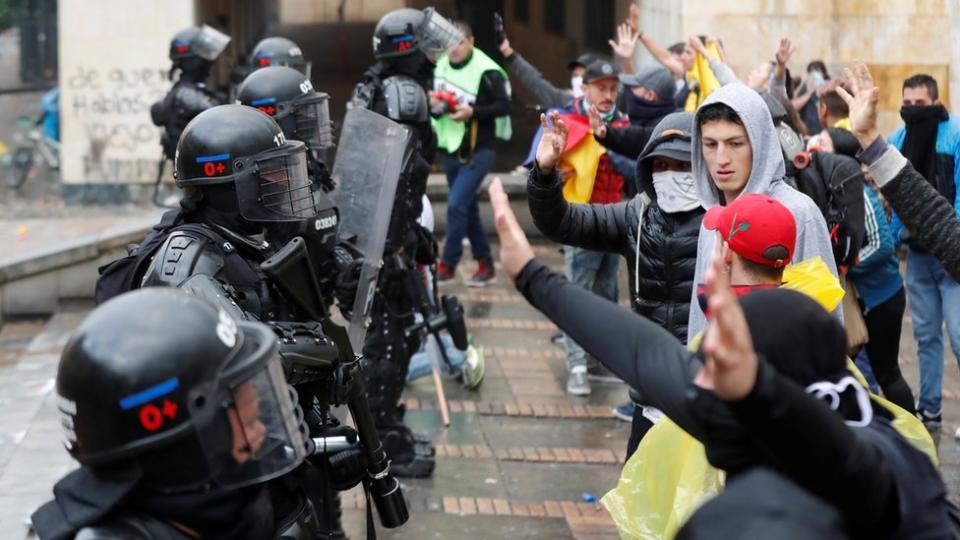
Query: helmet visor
[(436, 34), (209, 43), (280, 189), (256, 435), (312, 118)]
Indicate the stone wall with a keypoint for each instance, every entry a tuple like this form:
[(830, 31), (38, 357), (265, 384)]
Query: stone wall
[(896, 38), (113, 66)]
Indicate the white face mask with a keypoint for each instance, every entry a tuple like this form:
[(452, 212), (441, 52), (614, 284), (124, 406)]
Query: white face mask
[(676, 191), (576, 84)]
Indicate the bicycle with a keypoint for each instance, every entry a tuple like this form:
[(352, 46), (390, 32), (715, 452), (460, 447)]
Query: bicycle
[(19, 163)]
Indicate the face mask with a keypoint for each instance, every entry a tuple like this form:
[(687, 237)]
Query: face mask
[(816, 77), (576, 84), (676, 191)]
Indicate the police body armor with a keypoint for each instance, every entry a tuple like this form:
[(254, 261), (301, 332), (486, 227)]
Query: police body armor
[(182, 104)]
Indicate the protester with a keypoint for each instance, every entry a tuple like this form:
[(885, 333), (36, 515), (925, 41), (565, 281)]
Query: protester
[(882, 300), (655, 232), (807, 100), (931, 219), (744, 402), (930, 141), (466, 134), (650, 96), (588, 177), (736, 151)]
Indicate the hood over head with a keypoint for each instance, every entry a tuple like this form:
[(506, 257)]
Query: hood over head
[(767, 163), (666, 142)]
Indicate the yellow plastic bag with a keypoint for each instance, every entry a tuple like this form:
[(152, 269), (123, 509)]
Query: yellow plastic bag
[(702, 78), (812, 278), (662, 483)]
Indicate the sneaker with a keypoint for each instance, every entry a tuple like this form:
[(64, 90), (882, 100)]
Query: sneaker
[(931, 421), (599, 373), (557, 339), (446, 274), (484, 275), (625, 411), (472, 369), (578, 383)]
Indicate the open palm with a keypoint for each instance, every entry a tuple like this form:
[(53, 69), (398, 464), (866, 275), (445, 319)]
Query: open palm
[(552, 143)]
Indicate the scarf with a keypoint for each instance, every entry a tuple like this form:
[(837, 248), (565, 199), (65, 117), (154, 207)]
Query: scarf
[(644, 112), (920, 142)]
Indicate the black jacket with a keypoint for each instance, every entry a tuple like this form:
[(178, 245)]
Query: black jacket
[(667, 245), (930, 218), (883, 486)]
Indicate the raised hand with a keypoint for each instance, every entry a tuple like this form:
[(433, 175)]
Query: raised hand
[(785, 51), (694, 41), (731, 367), (634, 18), (505, 49), (626, 42), (862, 101), (552, 143), (597, 125), (515, 251)]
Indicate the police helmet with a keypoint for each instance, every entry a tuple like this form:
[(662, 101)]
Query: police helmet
[(129, 392), (406, 31), (240, 146), (288, 96), (277, 51)]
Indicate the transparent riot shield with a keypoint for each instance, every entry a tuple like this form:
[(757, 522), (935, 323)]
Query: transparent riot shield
[(370, 157)]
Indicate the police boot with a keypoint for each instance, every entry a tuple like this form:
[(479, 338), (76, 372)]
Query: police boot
[(408, 458)]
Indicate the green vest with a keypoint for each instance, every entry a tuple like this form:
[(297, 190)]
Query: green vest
[(465, 83)]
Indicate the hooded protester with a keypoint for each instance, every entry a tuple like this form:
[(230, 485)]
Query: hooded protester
[(655, 232), (769, 388), (736, 151)]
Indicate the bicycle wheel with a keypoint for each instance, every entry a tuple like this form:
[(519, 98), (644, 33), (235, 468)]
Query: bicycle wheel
[(21, 162)]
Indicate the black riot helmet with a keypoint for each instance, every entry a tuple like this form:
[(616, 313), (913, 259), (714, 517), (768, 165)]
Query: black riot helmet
[(278, 51), (288, 96), (164, 379), (193, 50), (242, 148), (407, 31)]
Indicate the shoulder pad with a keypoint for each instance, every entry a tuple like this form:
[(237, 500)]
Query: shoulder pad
[(406, 100), (186, 252)]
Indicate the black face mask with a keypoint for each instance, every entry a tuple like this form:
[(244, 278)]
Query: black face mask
[(646, 112)]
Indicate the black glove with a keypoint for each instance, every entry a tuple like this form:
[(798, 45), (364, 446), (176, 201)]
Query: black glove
[(348, 280)]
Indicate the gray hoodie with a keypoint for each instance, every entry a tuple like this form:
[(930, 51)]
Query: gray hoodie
[(766, 177)]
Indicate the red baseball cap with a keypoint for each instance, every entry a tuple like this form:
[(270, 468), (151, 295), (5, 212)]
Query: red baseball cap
[(757, 228)]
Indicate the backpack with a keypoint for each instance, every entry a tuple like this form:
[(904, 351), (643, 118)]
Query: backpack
[(125, 274), (835, 183)]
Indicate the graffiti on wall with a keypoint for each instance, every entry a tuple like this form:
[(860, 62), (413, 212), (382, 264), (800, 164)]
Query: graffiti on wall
[(107, 114)]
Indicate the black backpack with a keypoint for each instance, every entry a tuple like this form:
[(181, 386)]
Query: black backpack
[(125, 274), (835, 183)]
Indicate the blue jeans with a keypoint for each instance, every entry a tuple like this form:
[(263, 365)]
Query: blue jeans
[(463, 213), (595, 271), (934, 298), (421, 365)]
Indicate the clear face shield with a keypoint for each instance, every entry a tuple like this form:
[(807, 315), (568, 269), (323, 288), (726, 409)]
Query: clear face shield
[(256, 431), (311, 121), (280, 188), (436, 34), (209, 43)]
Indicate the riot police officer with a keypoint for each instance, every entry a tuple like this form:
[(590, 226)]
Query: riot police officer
[(406, 43), (247, 193), (192, 52), (303, 113), (180, 432)]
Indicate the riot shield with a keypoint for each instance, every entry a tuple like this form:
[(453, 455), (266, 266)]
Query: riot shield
[(370, 157)]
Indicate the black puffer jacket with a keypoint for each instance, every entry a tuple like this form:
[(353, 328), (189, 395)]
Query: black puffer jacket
[(667, 247)]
